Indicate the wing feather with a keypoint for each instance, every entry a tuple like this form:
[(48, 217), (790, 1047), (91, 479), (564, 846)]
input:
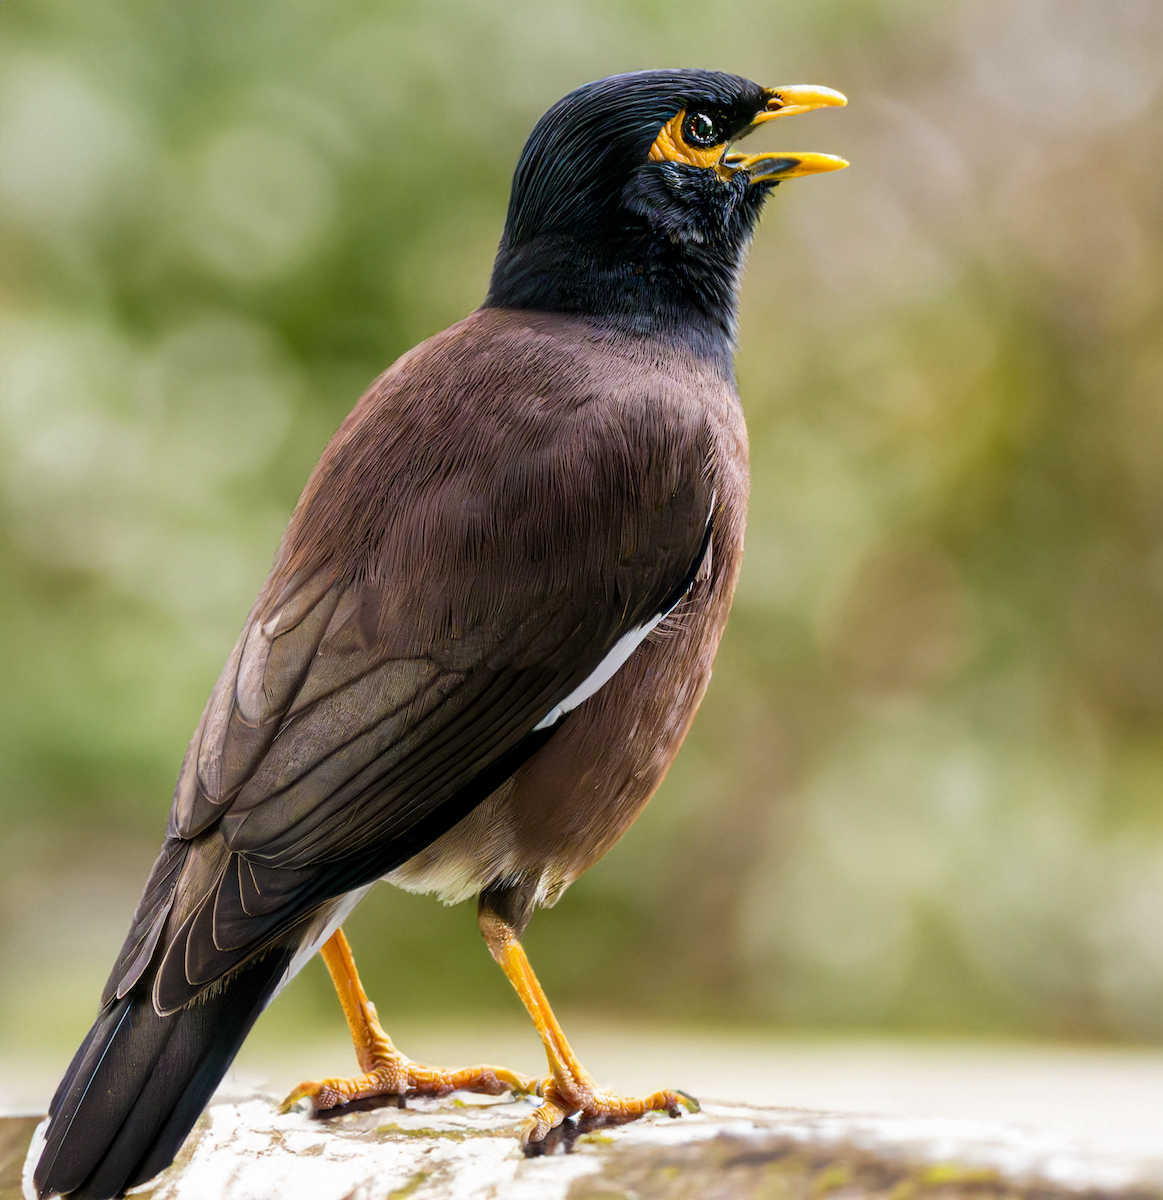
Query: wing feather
[(458, 565)]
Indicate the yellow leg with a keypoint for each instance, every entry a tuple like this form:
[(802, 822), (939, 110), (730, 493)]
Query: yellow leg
[(569, 1089), (387, 1072)]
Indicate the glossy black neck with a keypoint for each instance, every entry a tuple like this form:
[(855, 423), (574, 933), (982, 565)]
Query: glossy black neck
[(661, 256), (633, 284)]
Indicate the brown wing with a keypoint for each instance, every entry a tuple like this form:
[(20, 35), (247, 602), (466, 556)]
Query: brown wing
[(487, 525)]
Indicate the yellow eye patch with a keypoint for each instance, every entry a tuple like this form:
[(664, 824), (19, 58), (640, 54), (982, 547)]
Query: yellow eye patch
[(672, 146)]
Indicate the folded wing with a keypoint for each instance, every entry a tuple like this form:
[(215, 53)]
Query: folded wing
[(458, 567)]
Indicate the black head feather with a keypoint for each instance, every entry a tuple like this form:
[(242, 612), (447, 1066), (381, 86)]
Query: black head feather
[(595, 227)]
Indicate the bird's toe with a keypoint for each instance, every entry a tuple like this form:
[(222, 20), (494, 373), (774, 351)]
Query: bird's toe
[(593, 1110)]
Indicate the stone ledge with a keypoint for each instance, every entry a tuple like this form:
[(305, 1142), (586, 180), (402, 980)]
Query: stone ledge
[(243, 1149)]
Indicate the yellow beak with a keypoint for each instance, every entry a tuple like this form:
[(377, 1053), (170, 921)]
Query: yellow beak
[(798, 98), (775, 166)]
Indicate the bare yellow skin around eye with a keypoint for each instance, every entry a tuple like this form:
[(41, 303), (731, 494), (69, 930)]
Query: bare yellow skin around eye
[(671, 146)]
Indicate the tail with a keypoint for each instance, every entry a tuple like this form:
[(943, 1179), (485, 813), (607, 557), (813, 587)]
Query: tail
[(139, 1081)]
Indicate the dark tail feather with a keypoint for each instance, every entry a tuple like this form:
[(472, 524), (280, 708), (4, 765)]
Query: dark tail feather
[(139, 1082)]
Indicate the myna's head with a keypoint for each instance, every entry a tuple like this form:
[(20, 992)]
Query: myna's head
[(627, 203)]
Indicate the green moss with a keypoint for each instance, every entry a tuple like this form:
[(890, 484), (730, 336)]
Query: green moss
[(392, 1132)]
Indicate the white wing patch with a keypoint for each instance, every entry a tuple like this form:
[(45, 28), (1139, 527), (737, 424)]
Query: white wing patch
[(602, 673), (618, 654)]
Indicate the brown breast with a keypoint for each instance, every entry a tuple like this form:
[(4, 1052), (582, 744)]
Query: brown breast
[(572, 801)]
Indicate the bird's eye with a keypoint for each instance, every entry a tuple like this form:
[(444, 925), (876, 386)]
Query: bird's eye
[(701, 130)]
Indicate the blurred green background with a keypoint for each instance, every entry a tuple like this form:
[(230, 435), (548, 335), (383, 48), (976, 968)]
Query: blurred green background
[(925, 792)]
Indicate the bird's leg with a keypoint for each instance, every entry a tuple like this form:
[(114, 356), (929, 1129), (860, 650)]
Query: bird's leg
[(387, 1072), (569, 1089)]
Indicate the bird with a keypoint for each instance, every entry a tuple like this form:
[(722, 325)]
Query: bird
[(488, 627)]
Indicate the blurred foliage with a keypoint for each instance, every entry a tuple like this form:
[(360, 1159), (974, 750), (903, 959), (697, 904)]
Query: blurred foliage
[(926, 789)]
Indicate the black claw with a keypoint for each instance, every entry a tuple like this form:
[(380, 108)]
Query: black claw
[(560, 1139)]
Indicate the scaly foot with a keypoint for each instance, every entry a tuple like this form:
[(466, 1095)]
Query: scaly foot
[(569, 1095), (395, 1076), (387, 1072), (568, 1090)]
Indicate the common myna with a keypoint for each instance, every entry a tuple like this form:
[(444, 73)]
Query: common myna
[(486, 632)]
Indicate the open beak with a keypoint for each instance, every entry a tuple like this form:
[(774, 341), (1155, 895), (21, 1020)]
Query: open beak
[(772, 167)]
